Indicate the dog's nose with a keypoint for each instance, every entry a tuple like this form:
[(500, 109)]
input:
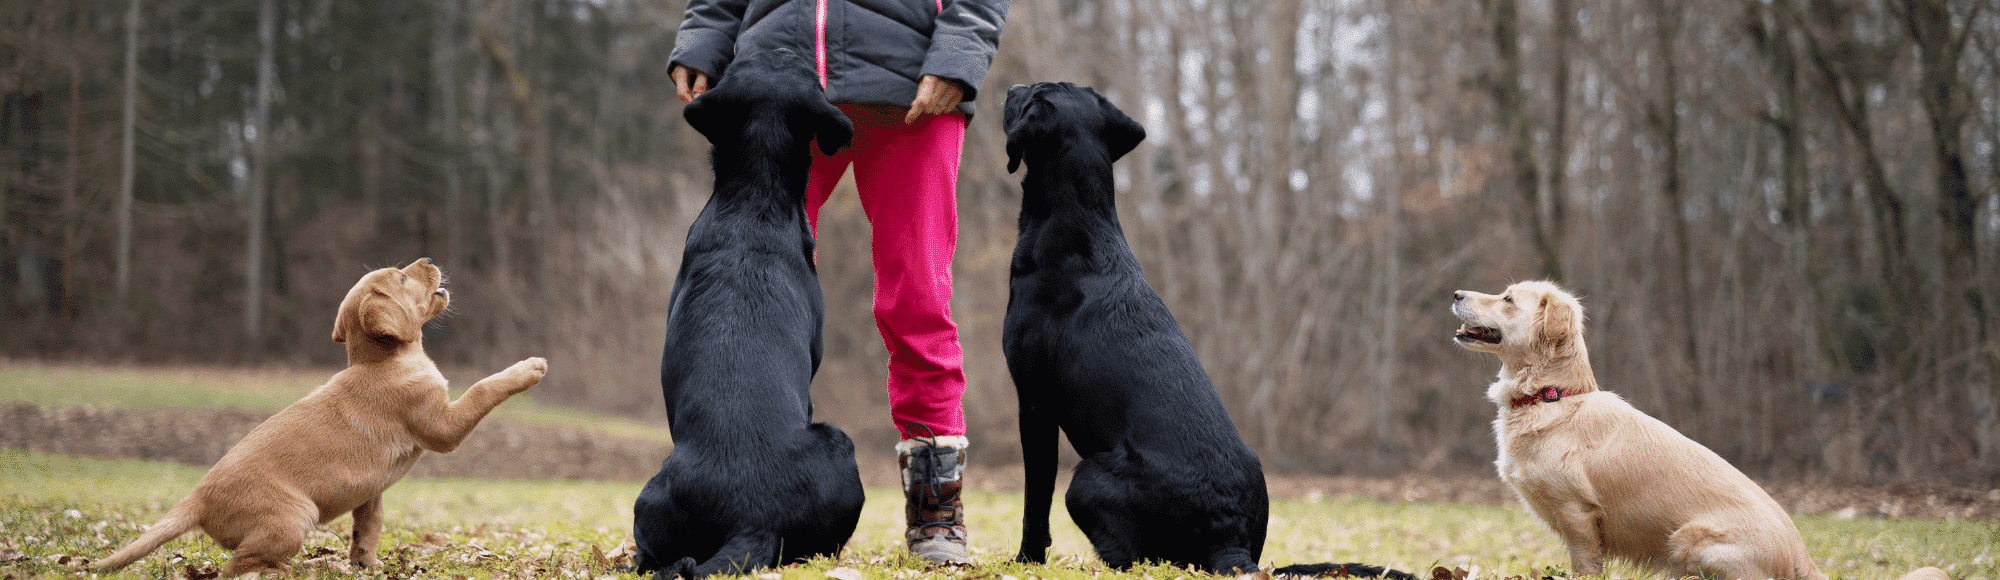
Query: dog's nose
[(1457, 296)]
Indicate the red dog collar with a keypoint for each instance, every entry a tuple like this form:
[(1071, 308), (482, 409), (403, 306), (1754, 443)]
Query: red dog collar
[(1546, 395)]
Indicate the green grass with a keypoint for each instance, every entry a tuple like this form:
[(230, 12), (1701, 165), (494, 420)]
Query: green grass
[(55, 510), (249, 389)]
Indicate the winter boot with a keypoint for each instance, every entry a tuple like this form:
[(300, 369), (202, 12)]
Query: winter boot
[(932, 468)]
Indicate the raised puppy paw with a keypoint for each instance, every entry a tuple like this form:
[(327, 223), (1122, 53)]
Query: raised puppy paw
[(526, 374)]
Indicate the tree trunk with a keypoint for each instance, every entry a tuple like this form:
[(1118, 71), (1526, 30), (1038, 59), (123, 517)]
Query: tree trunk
[(260, 169), (1553, 203), (534, 151), (1667, 121), (444, 66), (122, 273), (1512, 104), (1897, 271), (486, 154), (1390, 439), (1940, 44), (1773, 34), (72, 244)]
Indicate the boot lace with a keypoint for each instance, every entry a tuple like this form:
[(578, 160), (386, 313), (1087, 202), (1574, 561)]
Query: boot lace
[(928, 468)]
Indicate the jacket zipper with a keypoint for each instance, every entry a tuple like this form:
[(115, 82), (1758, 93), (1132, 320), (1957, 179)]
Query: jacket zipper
[(819, 39), (819, 36)]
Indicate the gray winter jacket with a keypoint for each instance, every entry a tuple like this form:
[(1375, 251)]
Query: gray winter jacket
[(869, 52)]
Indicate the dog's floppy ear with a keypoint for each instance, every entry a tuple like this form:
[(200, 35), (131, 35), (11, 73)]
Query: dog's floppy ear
[(1010, 119), (1559, 321), (340, 327), (1014, 150), (1121, 133), (711, 115), (344, 321), (831, 128), (382, 318), (375, 317)]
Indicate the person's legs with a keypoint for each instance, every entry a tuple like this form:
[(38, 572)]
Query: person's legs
[(908, 187)]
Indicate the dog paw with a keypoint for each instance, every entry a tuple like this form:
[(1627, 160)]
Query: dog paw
[(528, 372)]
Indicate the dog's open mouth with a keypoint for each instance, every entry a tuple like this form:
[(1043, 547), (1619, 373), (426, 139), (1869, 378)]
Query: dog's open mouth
[(1477, 334)]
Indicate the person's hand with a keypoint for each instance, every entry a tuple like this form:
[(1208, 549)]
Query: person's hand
[(689, 83), (935, 96)]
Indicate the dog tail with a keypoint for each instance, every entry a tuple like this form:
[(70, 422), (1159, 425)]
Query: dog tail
[(177, 521), (1232, 560), (682, 569), (740, 554), (1340, 570)]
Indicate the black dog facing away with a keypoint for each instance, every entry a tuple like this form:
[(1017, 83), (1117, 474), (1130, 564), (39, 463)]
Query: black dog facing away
[(1093, 351), (752, 482)]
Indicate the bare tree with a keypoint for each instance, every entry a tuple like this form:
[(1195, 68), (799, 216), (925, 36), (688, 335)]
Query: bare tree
[(1511, 102), (1739, 205), (1552, 207), (1665, 120), (445, 67), (72, 202), (258, 186), (1848, 67), (1940, 36), (122, 279)]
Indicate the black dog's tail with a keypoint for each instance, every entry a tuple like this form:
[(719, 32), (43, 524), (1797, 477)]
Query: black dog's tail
[(1232, 560), (1342, 570), (742, 553), (683, 569)]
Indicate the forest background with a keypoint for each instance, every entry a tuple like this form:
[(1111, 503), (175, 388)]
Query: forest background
[(1781, 214)]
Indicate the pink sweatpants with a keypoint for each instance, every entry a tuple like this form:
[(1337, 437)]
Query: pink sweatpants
[(907, 176)]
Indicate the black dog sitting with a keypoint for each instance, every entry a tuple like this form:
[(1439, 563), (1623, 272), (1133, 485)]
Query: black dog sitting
[(752, 482), (1094, 352)]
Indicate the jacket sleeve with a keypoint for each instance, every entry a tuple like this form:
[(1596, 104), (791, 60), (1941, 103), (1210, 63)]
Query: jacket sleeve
[(963, 43), (707, 38)]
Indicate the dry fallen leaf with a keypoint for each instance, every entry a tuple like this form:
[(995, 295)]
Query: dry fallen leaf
[(332, 561), (844, 573), (203, 571), (597, 558)]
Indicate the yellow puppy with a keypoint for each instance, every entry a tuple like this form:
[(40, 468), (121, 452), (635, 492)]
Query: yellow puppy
[(337, 449), (1608, 479)]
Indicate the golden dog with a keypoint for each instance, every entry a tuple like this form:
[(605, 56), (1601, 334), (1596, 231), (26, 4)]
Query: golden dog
[(1608, 479), (337, 449)]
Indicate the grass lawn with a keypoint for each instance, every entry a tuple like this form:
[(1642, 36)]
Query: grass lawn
[(55, 509)]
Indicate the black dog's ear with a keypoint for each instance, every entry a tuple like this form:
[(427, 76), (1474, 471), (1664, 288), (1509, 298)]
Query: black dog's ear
[(1010, 119), (712, 116), (1121, 133), (831, 128), (1013, 154)]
